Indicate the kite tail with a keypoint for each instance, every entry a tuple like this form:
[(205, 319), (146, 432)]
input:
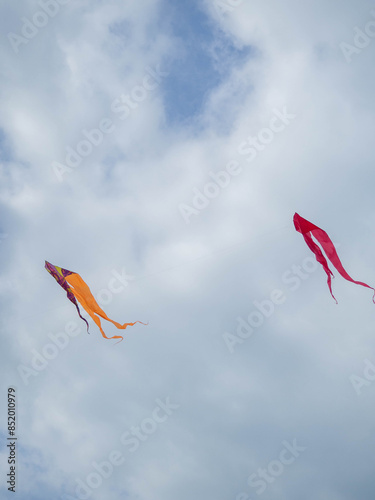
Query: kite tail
[(79, 313), (117, 325), (84, 296), (321, 259), (330, 250), (125, 325), (99, 325), (307, 228)]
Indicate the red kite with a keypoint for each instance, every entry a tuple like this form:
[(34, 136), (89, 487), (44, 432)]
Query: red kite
[(76, 289), (308, 229)]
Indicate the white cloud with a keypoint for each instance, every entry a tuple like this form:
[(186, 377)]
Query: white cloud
[(119, 209)]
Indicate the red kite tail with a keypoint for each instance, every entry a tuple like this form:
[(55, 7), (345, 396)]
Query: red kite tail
[(308, 229)]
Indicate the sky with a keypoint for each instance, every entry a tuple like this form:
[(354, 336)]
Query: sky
[(160, 149)]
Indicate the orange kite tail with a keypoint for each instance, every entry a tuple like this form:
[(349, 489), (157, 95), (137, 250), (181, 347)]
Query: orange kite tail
[(84, 296)]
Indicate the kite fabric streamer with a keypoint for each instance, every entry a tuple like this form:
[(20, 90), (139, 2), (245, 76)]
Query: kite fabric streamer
[(76, 289), (308, 229)]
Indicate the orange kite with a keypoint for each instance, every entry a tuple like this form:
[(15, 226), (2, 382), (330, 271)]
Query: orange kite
[(76, 289)]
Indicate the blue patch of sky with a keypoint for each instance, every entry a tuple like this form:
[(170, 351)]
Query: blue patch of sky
[(203, 59)]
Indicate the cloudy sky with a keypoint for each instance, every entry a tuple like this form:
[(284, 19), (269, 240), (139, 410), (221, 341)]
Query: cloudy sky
[(160, 149)]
